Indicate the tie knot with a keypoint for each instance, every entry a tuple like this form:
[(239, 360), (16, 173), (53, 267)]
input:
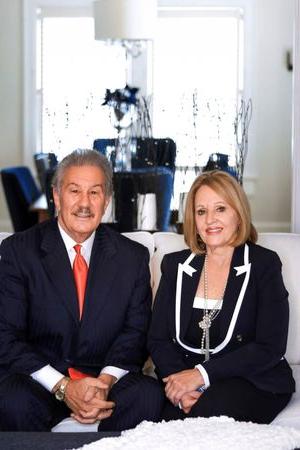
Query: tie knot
[(77, 248)]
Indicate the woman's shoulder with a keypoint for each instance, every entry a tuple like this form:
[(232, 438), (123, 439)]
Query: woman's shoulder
[(176, 257), (262, 254)]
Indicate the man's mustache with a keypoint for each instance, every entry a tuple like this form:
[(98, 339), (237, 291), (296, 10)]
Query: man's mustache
[(84, 212)]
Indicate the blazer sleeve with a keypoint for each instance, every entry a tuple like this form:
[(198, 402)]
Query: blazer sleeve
[(162, 346), (16, 352), (128, 350), (271, 329)]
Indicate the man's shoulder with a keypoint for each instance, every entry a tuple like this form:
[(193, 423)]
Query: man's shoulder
[(31, 236)]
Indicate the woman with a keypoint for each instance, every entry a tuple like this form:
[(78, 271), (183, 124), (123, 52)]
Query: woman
[(220, 321)]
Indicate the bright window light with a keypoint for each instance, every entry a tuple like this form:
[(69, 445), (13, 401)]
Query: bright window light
[(198, 69), (76, 71)]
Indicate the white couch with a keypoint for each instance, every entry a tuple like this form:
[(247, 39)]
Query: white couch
[(287, 245)]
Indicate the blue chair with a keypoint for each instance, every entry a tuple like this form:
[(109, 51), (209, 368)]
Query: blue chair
[(49, 191), (154, 152), (219, 161), (150, 152), (43, 163), (102, 144), (20, 191)]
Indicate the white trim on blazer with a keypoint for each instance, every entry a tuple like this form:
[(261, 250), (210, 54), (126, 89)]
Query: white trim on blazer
[(186, 268)]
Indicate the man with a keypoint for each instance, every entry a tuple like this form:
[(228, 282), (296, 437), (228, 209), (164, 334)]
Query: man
[(75, 303)]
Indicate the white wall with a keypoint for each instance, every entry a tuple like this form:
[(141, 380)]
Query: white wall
[(10, 92), (270, 131), (268, 166)]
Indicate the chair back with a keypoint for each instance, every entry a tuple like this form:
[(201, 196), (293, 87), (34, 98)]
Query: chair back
[(154, 152), (127, 186), (149, 153), (152, 171), (49, 191), (20, 191), (43, 163), (102, 144)]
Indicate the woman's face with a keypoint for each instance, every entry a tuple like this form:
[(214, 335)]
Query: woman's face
[(216, 220)]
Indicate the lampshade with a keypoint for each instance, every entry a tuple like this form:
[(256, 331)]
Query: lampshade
[(125, 19)]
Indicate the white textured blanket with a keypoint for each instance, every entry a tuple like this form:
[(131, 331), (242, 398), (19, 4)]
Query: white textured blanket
[(215, 433)]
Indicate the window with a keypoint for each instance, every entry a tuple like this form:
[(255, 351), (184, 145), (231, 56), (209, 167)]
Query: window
[(198, 70), (73, 73), (198, 81)]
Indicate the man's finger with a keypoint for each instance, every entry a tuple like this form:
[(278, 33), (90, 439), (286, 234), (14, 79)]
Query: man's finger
[(105, 414), (96, 382), (90, 393), (101, 404), (80, 419), (91, 414)]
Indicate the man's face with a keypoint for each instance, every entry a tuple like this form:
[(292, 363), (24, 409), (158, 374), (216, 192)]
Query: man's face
[(80, 201)]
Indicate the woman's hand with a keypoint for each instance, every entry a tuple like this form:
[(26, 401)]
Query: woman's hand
[(181, 383)]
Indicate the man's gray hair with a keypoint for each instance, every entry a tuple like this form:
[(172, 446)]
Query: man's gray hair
[(84, 157)]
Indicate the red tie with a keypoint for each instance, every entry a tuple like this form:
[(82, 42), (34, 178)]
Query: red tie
[(80, 270)]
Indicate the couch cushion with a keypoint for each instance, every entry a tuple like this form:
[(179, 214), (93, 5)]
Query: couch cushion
[(290, 416), (164, 242), (143, 237), (287, 245), (70, 425), (3, 236)]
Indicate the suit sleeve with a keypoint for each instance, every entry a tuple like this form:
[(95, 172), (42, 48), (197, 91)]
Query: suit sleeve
[(269, 345), (128, 350), (162, 346), (16, 352)]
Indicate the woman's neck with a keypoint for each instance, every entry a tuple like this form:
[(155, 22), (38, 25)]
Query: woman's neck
[(220, 255)]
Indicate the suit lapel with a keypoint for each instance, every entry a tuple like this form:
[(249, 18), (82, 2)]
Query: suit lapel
[(234, 297), (56, 263), (189, 288), (232, 291), (189, 274), (102, 273)]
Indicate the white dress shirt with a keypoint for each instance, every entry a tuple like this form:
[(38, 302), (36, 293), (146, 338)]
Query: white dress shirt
[(47, 376)]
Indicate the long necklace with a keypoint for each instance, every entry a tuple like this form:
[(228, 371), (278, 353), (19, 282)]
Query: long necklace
[(208, 315)]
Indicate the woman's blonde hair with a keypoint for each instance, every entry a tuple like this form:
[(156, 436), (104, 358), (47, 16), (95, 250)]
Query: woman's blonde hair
[(231, 191)]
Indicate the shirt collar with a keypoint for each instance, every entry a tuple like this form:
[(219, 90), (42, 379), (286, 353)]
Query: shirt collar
[(69, 242)]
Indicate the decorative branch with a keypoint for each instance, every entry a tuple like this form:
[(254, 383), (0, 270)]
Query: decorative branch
[(241, 128)]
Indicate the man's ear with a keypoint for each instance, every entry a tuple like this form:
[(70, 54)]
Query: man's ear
[(107, 200), (56, 199)]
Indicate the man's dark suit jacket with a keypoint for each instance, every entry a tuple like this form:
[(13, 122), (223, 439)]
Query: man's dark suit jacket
[(253, 320), (39, 316)]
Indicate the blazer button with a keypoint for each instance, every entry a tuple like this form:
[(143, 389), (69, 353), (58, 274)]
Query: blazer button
[(239, 337), (174, 340)]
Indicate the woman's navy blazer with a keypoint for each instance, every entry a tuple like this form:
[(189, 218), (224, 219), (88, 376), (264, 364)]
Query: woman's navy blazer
[(253, 320)]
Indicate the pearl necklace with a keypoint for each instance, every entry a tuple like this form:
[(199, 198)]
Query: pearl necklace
[(208, 315)]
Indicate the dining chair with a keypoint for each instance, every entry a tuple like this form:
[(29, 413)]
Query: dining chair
[(127, 186), (20, 191), (49, 191), (152, 171), (154, 152), (43, 163)]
